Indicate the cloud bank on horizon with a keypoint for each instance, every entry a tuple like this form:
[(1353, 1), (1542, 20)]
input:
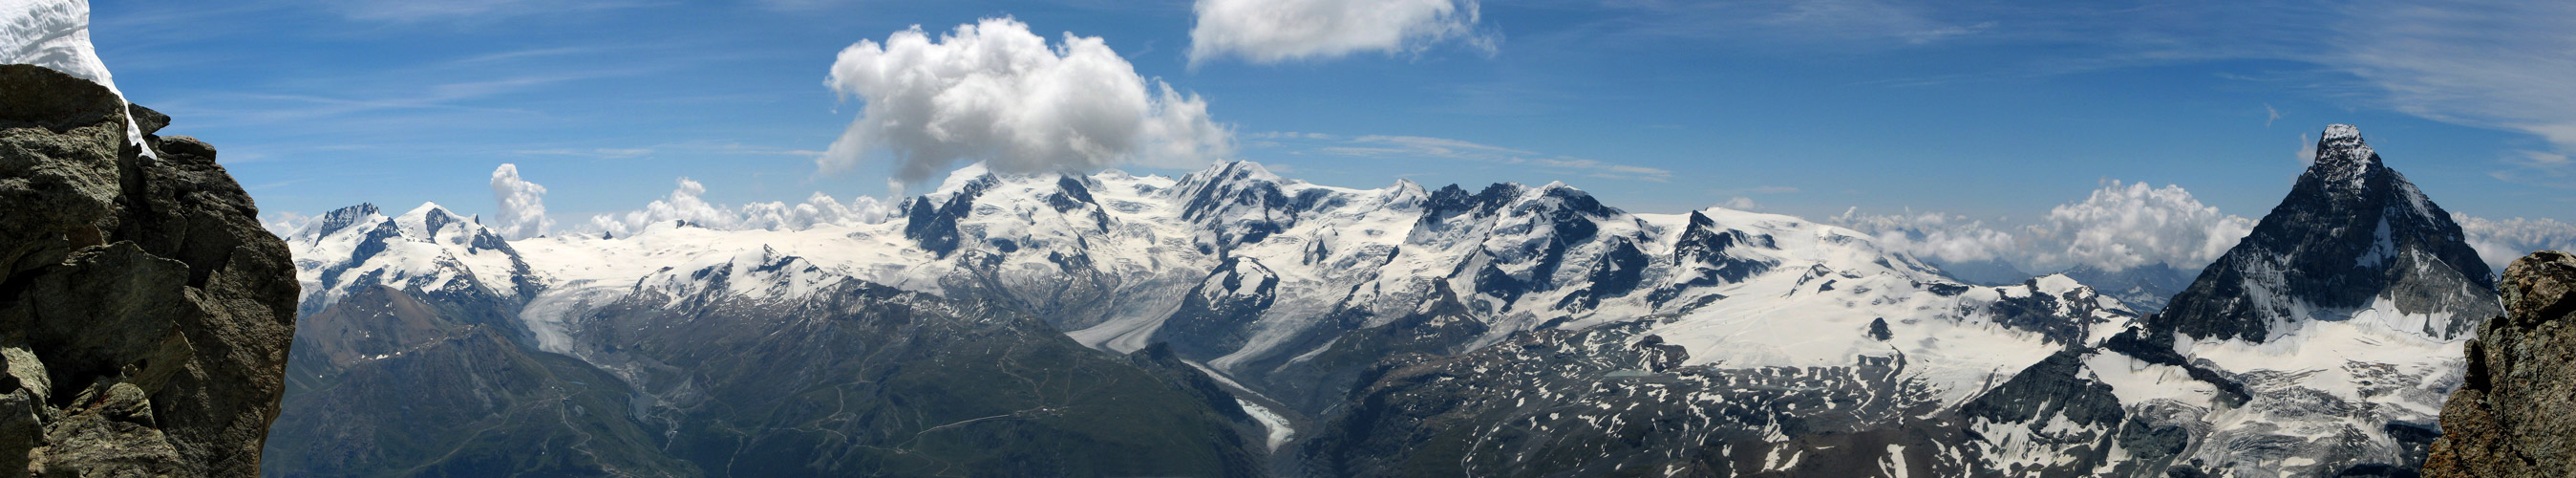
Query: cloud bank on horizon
[(2502, 241), (2120, 226), (1279, 31), (687, 204), (2126, 225), (992, 91)]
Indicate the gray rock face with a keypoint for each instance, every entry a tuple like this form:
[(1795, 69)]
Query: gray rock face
[(2512, 416), (2144, 288), (145, 315)]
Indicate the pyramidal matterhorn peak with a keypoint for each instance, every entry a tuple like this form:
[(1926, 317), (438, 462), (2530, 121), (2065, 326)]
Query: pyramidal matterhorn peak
[(2323, 344), (2354, 240)]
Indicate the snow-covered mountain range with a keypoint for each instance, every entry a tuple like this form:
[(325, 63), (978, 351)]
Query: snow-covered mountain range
[(1314, 305), (1256, 268)]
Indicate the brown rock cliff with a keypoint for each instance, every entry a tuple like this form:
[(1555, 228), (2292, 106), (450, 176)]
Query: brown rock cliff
[(2515, 416), (144, 313)]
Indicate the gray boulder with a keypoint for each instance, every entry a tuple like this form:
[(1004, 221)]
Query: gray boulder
[(144, 314)]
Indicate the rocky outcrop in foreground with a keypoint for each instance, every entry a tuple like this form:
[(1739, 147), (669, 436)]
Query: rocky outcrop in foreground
[(144, 314), (2516, 414)]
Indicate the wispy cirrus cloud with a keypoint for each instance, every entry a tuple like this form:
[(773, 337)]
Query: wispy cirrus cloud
[(694, 148), (2490, 64), (602, 153), (1425, 147), (2539, 168), (1756, 190), (2483, 63), (1277, 31), (1382, 145), (407, 11), (1813, 22)]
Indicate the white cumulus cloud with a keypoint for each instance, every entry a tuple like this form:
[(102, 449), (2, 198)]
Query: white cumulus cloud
[(523, 204), (686, 204), (2121, 225), (1409, 147), (994, 92), (1274, 31), (2499, 242)]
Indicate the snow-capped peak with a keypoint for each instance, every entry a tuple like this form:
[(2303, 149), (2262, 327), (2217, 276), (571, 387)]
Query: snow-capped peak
[(427, 222), (1236, 171), (2342, 157), (425, 208), (958, 180), (428, 248), (2339, 133), (339, 219)]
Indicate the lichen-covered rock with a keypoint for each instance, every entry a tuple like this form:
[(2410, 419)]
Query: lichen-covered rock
[(144, 314), (2516, 414)]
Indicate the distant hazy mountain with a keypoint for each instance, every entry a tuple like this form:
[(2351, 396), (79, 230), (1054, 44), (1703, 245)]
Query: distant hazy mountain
[(2145, 288), (1985, 272)]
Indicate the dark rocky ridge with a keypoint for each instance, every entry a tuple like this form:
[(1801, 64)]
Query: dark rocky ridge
[(2511, 418), (145, 315)]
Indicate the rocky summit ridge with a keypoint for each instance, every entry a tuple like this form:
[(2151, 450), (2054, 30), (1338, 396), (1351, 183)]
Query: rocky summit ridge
[(2511, 417), (144, 314)]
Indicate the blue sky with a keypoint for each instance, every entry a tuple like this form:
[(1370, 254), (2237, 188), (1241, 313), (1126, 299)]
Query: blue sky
[(1990, 111)]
